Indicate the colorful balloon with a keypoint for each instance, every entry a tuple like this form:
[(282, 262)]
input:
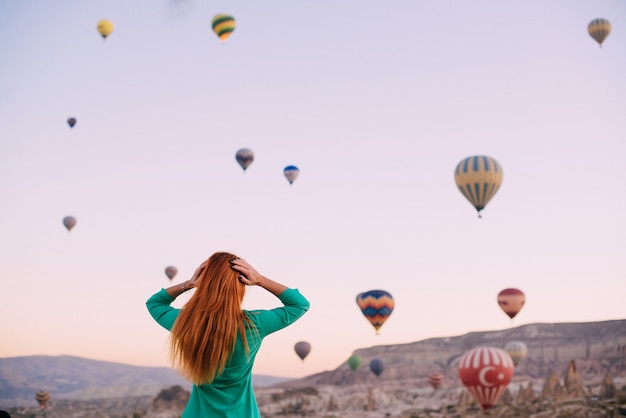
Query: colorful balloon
[(71, 122), (244, 157), (354, 361), (105, 28), (376, 366), (223, 26), (478, 178), (42, 397), (435, 380), (517, 350), (511, 301), (171, 272), (303, 349), (486, 372), (599, 29), (376, 306), (291, 173), (69, 222)]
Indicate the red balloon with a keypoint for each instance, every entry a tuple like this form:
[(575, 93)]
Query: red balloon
[(486, 372), (511, 301), (435, 380)]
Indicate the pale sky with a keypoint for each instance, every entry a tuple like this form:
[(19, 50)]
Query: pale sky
[(375, 102)]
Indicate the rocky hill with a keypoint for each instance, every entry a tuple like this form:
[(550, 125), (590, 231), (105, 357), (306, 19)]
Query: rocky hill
[(75, 378), (571, 370)]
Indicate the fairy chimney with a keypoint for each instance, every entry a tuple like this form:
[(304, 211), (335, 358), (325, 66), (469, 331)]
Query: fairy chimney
[(573, 382)]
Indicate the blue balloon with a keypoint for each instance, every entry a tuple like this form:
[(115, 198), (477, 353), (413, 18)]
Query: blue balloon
[(376, 366)]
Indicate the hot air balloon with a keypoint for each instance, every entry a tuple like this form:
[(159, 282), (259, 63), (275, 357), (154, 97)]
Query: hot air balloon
[(42, 397), (376, 366), (511, 301), (69, 222), (478, 178), (170, 272), (291, 173), (354, 361), (223, 26), (435, 380), (517, 350), (302, 349), (376, 306), (105, 28), (71, 122), (486, 372), (599, 29), (244, 157)]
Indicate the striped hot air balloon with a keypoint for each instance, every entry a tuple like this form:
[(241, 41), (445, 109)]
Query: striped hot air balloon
[(478, 178), (517, 350), (376, 306), (511, 301), (42, 397), (223, 26), (435, 380), (486, 372), (599, 29)]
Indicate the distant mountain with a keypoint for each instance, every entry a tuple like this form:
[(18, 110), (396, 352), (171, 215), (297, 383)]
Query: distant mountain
[(79, 378)]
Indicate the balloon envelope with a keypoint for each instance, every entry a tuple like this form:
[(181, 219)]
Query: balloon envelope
[(105, 28), (244, 157), (42, 397), (511, 301), (170, 272), (303, 349), (376, 306), (69, 222), (354, 361), (478, 178), (517, 350), (435, 380), (599, 29), (71, 122), (291, 173), (486, 372), (376, 366), (223, 25)]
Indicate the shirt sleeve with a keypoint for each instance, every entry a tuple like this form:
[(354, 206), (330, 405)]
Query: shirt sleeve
[(159, 307), (269, 321)]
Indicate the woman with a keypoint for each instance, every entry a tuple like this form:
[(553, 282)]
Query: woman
[(213, 342)]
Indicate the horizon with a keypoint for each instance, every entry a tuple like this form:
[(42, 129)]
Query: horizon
[(375, 105)]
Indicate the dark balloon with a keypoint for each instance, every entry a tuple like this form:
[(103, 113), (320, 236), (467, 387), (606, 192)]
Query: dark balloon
[(71, 122), (302, 349), (376, 366), (291, 173), (69, 222), (244, 157), (170, 272)]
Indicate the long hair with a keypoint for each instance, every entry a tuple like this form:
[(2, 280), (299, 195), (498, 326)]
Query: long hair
[(205, 332)]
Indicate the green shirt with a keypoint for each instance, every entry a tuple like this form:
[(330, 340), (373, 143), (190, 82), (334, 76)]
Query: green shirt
[(231, 395)]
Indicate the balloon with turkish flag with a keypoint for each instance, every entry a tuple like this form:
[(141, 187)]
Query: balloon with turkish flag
[(486, 372)]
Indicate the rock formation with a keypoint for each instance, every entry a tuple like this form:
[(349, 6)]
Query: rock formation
[(607, 388), (552, 389), (573, 382), (169, 403)]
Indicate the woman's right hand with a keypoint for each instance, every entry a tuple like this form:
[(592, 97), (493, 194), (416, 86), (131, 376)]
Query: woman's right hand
[(247, 274), (193, 282)]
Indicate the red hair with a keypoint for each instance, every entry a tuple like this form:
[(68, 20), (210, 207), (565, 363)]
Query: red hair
[(205, 332)]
